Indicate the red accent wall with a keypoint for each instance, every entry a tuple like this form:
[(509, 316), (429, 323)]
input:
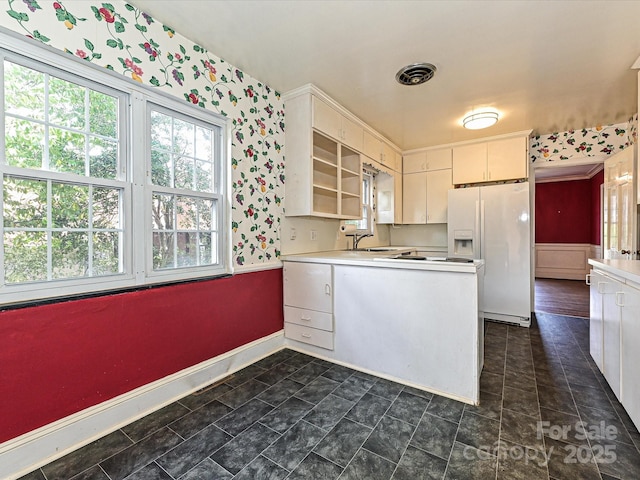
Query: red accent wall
[(564, 212), (58, 359), (596, 195)]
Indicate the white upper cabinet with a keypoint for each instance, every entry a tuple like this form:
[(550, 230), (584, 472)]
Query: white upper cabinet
[(381, 151), (333, 123), (492, 160), (438, 186), (439, 159), (414, 162)]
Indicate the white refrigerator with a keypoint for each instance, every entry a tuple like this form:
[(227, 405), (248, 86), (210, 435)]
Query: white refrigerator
[(493, 223)]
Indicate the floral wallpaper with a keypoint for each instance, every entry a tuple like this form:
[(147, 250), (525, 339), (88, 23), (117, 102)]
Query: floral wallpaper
[(588, 142), (122, 38)]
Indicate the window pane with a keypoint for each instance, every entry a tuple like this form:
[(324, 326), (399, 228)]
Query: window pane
[(23, 91), (187, 213), (160, 131), (103, 158), (161, 168), (23, 143), (183, 138), (25, 256), (69, 205), (204, 146), (66, 151), (66, 104), (25, 203), (103, 114), (187, 251), (206, 215), (69, 254), (162, 212), (204, 177), (106, 253), (163, 251), (184, 172), (207, 249), (106, 208)]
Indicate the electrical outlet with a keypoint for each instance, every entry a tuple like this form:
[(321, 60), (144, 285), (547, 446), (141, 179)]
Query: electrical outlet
[(292, 234), (314, 235)]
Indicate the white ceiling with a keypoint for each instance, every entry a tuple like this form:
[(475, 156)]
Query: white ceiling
[(545, 65)]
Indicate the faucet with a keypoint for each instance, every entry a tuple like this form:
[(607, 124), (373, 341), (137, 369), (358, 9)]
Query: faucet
[(357, 238)]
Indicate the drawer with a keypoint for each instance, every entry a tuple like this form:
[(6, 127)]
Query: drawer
[(312, 336), (308, 318)]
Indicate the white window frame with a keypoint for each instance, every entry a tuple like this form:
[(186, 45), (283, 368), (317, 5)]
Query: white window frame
[(134, 175)]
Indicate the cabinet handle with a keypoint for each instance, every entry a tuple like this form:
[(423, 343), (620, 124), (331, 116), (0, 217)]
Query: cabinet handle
[(620, 299), (327, 289), (489, 175), (306, 319), (305, 335), (601, 287), (588, 279)]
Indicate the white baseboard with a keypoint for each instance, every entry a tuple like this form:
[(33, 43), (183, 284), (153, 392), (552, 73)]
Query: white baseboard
[(34, 449)]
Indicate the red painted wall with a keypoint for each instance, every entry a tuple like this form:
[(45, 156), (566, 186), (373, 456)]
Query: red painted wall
[(58, 359), (596, 195), (564, 212)]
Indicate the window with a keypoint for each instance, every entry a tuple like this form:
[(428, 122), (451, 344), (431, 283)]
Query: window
[(104, 184), (366, 223), (185, 196)]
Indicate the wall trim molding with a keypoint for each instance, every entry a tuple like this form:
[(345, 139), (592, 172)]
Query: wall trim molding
[(34, 449), (567, 261)]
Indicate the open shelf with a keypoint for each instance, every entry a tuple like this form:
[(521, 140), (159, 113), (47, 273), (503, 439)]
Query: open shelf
[(325, 174), (350, 159), (350, 205), (325, 149), (325, 200), (351, 184)]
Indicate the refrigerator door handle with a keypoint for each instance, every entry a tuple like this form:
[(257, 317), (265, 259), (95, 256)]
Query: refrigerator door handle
[(477, 250)]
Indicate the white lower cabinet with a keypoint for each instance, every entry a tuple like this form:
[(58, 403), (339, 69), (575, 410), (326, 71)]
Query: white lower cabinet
[(629, 300), (308, 303), (614, 336)]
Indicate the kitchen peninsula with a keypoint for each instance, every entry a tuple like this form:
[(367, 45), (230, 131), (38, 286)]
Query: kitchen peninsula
[(402, 319)]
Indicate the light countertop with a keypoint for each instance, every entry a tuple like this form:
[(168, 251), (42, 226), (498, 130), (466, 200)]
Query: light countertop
[(381, 259), (627, 269)]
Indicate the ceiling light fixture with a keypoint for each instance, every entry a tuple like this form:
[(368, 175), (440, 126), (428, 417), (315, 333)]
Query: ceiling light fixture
[(416, 73), (478, 120)]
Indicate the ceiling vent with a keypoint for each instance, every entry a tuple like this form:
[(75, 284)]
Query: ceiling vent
[(416, 74)]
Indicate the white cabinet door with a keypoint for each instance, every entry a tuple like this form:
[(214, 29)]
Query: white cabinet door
[(414, 162), (414, 198), (596, 337), (507, 159), (326, 119), (333, 123), (439, 159), (308, 286), (352, 134), (388, 156), (631, 352), (371, 147), (470, 163), (438, 186), (611, 333)]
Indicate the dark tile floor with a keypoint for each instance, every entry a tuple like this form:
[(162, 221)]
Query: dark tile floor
[(545, 412)]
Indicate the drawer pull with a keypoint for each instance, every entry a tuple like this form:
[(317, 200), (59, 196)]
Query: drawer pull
[(305, 335), (306, 319)]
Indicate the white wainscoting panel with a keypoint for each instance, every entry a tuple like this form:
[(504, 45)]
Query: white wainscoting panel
[(566, 261)]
